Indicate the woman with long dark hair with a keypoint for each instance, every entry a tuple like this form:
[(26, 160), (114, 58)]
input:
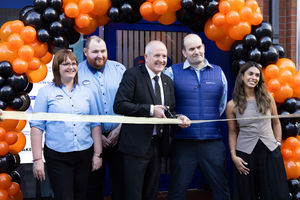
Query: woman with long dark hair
[(255, 144)]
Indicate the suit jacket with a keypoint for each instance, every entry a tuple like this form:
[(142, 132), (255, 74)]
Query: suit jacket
[(133, 98)]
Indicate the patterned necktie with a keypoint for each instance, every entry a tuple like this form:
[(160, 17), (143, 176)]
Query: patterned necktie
[(157, 91)]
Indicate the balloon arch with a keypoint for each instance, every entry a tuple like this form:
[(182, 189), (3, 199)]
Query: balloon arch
[(27, 44)]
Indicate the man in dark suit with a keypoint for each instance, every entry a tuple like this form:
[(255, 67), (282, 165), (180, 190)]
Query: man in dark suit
[(144, 92)]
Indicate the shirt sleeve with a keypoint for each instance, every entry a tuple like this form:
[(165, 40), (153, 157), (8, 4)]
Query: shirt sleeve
[(40, 105), (169, 72), (224, 95)]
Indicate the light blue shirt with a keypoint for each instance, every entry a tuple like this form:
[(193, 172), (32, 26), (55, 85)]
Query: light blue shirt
[(65, 136), (186, 65), (104, 86)]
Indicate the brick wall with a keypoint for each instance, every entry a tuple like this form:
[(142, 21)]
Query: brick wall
[(287, 24)]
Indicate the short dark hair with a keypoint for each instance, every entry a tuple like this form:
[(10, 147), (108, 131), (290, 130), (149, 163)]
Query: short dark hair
[(59, 57)]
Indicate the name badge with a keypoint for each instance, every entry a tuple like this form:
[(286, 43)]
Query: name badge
[(86, 82), (59, 97), (209, 83)]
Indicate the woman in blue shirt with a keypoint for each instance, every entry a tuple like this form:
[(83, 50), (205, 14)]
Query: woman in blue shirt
[(71, 149)]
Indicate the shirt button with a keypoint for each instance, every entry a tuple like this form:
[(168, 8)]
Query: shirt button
[(72, 105), (103, 93), (70, 97), (75, 134), (74, 125), (104, 102), (105, 112)]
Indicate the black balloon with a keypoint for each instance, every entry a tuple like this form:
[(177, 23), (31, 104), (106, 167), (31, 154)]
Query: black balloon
[(43, 35), (280, 50), (17, 161), (198, 25), (114, 14), (236, 65), (50, 14), (289, 105), (187, 4), (133, 17), (7, 163), (237, 50), (185, 16), (254, 55), (18, 82), (7, 93), (126, 8), (2, 81), (16, 103), (5, 69), (15, 177), (33, 18), (264, 43), (40, 4), (199, 9), (296, 196), (264, 29), (3, 105), (73, 36), (56, 28), (59, 41), (285, 121), (294, 185), (269, 56), (117, 3), (297, 119), (211, 8), (289, 130), (28, 87), (249, 41), (56, 4), (24, 11), (67, 23)]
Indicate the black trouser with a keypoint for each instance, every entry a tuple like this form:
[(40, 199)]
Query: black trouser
[(68, 173), (141, 174), (113, 159)]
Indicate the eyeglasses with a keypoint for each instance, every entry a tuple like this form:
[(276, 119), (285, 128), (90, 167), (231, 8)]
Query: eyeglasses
[(68, 64)]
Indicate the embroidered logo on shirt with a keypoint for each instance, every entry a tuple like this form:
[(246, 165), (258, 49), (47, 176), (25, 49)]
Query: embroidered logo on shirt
[(59, 97), (209, 82), (86, 82)]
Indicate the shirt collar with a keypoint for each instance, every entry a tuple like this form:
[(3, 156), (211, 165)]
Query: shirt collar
[(93, 70), (186, 65), (151, 73)]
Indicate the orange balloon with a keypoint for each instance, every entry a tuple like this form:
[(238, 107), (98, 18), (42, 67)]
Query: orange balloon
[(286, 153), (292, 169), (46, 58), (88, 30), (273, 85), (71, 10), (232, 17), (152, 17), (86, 6), (11, 137), (296, 83), (34, 63), (256, 19), (224, 7), (82, 20), (14, 189), (5, 31), (17, 26), (19, 66), (40, 49), (283, 93), (173, 5), (160, 7), (102, 20), (236, 4), (3, 194), (28, 34), (167, 18), (296, 154), (35, 76), (26, 52), (292, 143), (3, 149), (65, 2), (213, 32), (253, 5), (285, 63), (146, 9), (6, 53), (19, 145), (21, 125), (272, 71), (2, 134), (225, 43), (19, 196), (9, 124), (218, 19), (15, 41), (285, 76), (101, 7), (238, 31), (245, 13)]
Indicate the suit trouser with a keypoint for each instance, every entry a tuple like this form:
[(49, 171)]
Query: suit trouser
[(209, 156), (97, 180), (68, 173), (141, 174)]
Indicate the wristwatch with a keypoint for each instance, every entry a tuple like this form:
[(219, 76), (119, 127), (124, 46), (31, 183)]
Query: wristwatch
[(99, 155), (279, 144)]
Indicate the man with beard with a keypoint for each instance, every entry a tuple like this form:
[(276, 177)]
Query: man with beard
[(201, 94), (103, 77)]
